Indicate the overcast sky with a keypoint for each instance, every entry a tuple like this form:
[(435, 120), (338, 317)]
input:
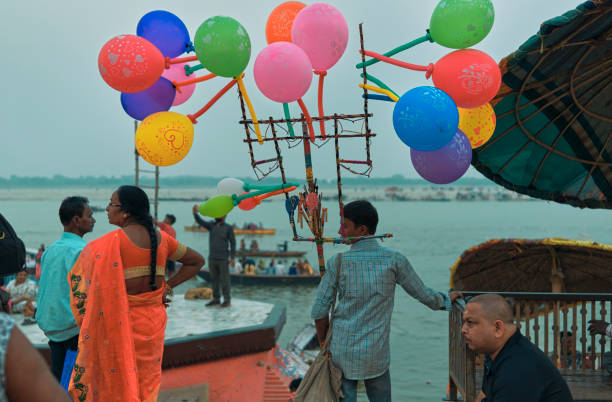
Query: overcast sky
[(60, 117)]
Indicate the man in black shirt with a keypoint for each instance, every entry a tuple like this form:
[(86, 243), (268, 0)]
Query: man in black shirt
[(515, 369), (221, 235)]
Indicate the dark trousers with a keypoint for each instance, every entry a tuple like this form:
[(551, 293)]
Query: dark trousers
[(219, 273), (58, 354)]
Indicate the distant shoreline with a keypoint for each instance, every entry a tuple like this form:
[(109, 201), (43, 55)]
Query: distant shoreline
[(434, 193), (59, 181)]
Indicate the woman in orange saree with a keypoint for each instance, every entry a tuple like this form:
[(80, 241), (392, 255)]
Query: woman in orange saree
[(118, 297)]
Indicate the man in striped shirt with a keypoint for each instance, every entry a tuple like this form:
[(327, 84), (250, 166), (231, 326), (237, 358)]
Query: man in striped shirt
[(368, 274)]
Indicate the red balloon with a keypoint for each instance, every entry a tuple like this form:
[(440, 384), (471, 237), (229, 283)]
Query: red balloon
[(129, 63), (249, 203), (469, 76)]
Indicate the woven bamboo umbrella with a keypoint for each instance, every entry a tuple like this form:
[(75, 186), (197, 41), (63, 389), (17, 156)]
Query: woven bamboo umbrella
[(547, 265), (554, 112)]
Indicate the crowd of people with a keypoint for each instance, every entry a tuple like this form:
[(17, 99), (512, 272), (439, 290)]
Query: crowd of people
[(248, 266), (106, 299)]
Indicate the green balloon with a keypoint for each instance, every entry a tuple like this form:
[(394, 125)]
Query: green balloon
[(217, 207), (461, 23), (223, 46)]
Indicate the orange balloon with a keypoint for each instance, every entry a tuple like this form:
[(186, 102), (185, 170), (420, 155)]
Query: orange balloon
[(278, 27), (249, 203), (477, 124)]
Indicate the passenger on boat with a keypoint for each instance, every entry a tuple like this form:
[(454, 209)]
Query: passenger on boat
[(365, 290), (293, 269), (306, 268), (119, 295), (271, 269), (24, 375), (261, 267), (23, 294), (53, 314), (254, 246), (249, 269), (515, 369), (242, 244), (280, 268), (238, 268)]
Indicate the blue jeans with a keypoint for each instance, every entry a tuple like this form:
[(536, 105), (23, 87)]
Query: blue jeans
[(378, 389)]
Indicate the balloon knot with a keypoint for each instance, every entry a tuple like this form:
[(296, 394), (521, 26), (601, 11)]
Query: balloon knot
[(192, 118), (321, 73), (430, 69), (189, 47), (167, 66), (177, 87), (428, 36)]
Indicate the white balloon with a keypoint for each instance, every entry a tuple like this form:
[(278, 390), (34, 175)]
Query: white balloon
[(229, 186)]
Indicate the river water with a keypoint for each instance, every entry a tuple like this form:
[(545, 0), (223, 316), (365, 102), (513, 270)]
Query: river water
[(431, 234)]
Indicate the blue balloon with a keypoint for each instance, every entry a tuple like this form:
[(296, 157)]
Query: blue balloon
[(425, 118), (157, 98), (166, 31)]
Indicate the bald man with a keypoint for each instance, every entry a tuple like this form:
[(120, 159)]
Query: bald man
[(515, 369)]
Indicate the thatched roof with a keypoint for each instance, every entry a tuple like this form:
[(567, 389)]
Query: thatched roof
[(518, 265)]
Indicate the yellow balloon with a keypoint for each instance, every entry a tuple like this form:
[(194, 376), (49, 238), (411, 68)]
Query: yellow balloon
[(164, 138), (477, 124)]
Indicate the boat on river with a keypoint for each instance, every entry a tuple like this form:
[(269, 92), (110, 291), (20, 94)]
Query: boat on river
[(252, 232), (269, 253), (263, 279)]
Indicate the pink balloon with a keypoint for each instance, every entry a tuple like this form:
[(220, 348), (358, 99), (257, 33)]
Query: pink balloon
[(283, 72), (176, 73), (321, 30)]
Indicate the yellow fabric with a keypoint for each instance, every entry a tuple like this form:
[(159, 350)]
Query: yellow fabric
[(180, 252), (137, 272)]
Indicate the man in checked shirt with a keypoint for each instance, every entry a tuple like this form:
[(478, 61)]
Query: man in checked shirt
[(359, 343)]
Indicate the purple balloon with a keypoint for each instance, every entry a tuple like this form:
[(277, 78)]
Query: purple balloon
[(444, 165), (157, 98)]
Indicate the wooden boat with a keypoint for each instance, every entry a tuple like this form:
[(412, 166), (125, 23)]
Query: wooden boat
[(268, 253), (234, 356), (272, 280), (254, 232)]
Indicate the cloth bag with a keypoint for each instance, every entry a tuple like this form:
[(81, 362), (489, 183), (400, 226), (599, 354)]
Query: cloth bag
[(323, 380)]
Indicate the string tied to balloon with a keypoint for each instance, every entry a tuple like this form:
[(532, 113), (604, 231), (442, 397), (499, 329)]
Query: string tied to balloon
[(321, 75), (179, 60), (194, 117), (192, 69), (179, 84), (399, 49), (416, 67)]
